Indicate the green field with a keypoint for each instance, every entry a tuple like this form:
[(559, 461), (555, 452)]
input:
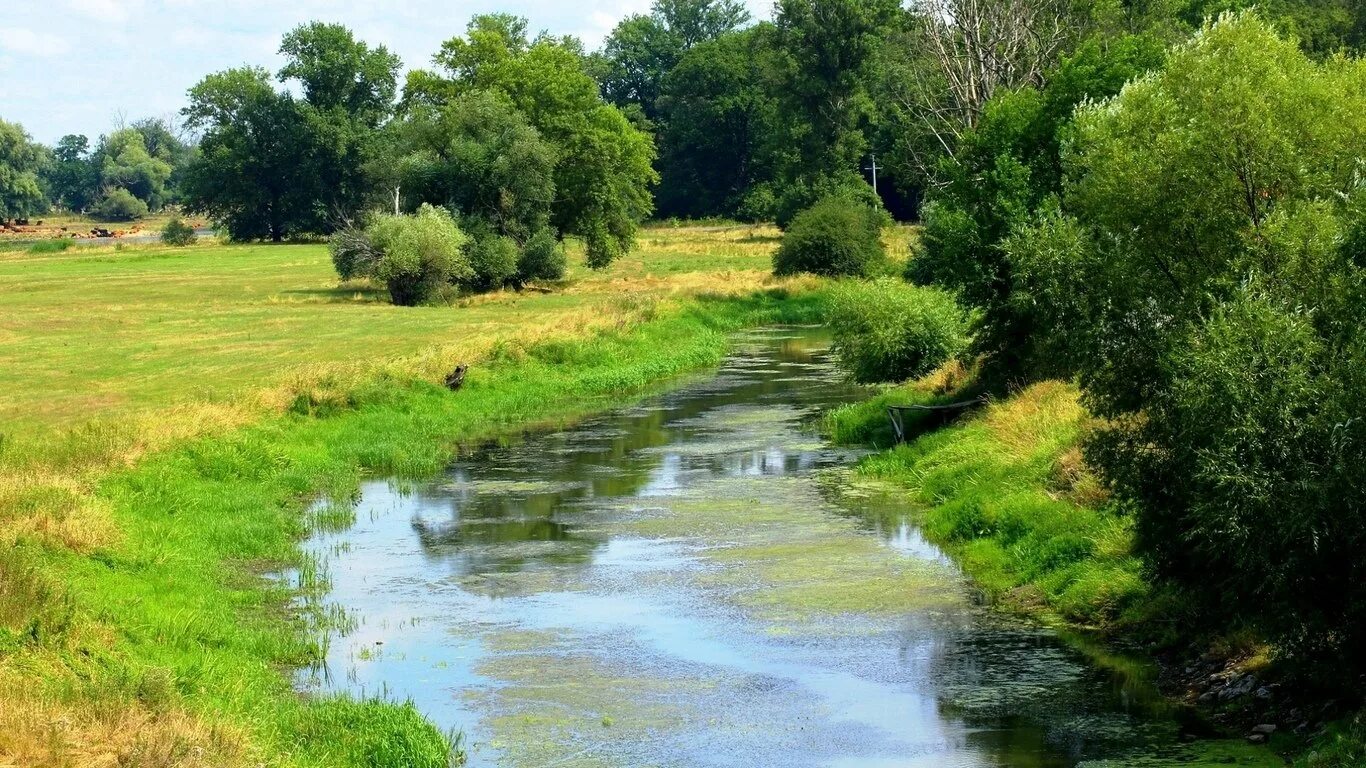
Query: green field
[(100, 333)]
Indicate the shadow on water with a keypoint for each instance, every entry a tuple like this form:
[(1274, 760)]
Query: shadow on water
[(682, 583)]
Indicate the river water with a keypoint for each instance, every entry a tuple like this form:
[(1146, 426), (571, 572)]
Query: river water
[(695, 582)]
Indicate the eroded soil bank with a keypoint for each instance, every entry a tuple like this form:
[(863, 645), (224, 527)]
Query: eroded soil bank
[(694, 581)]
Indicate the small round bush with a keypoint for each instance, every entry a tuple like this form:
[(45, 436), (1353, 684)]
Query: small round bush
[(542, 258), (420, 254), (120, 205), (834, 237), (493, 259), (178, 233), (889, 330)]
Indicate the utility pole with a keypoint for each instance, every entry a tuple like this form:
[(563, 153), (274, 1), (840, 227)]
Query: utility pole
[(396, 199), (874, 169)]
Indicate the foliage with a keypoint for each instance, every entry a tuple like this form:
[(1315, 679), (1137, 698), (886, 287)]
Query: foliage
[(252, 173), (125, 163), (178, 233), (887, 330), (542, 258), (419, 254), (602, 171), (833, 237), (718, 114), (480, 157), (119, 204), (73, 181), (271, 165), (643, 49), (1003, 171), (20, 163), (493, 260), (353, 255), (1205, 284)]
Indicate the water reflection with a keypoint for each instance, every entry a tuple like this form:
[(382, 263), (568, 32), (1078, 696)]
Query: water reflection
[(682, 583)]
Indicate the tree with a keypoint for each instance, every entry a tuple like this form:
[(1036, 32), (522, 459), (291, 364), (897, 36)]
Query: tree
[(124, 162), (73, 180), (719, 117), (1003, 170), (603, 167), (252, 174), (270, 164), (956, 55), (479, 157), (1206, 275), (415, 256), (348, 90), (643, 49), (828, 47), (20, 164)]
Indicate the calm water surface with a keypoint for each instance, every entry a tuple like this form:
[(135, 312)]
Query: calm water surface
[(693, 582)]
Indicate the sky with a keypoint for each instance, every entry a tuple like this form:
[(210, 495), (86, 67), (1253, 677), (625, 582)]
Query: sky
[(81, 66)]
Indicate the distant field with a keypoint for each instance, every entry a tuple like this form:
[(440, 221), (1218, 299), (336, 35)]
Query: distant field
[(93, 333)]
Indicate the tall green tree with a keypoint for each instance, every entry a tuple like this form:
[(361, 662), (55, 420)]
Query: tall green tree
[(124, 162), (21, 162), (348, 92), (603, 169), (73, 180), (719, 116), (1002, 171), (643, 49), (479, 157), (253, 173), (823, 84)]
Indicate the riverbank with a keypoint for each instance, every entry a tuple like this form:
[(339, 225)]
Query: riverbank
[(1005, 490), (137, 619)]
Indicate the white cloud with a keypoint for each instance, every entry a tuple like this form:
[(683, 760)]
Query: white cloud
[(113, 11), (26, 42)]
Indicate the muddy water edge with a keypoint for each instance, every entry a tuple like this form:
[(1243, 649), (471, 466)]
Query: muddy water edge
[(696, 581)]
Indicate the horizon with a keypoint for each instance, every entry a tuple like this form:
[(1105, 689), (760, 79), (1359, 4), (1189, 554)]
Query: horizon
[(66, 67)]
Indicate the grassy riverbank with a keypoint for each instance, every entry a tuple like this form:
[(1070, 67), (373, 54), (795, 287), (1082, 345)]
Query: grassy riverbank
[(137, 624), (1006, 491)]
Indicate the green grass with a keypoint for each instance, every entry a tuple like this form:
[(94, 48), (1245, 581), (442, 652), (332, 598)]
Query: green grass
[(99, 333), (173, 616), (1005, 492)]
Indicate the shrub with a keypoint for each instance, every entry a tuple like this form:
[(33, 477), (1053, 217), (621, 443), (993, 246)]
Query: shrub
[(353, 254), (833, 237), (419, 254), (803, 193), (542, 258), (493, 259), (120, 205), (887, 330), (178, 233)]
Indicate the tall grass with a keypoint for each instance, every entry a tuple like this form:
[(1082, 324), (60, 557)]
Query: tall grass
[(1006, 492), (166, 641)]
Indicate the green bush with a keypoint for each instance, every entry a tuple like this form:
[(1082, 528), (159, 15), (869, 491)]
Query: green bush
[(419, 254), (120, 205), (178, 233), (888, 330), (834, 237), (493, 259), (353, 254), (542, 258)]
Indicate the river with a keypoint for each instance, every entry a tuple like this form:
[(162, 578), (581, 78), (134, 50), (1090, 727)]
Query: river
[(694, 581)]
